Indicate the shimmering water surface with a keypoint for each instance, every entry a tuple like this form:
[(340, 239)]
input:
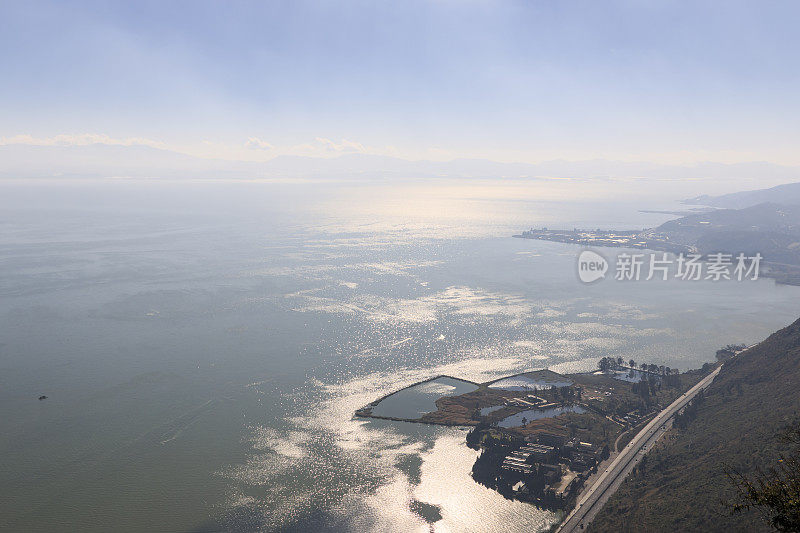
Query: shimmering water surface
[(523, 383), (203, 345)]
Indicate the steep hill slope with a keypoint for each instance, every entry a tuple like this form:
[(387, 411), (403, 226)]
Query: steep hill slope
[(788, 193), (681, 485)]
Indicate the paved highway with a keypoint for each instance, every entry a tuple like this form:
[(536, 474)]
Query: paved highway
[(607, 482)]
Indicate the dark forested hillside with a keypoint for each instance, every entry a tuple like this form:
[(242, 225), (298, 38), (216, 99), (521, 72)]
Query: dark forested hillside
[(771, 229), (788, 193), (682, 484)]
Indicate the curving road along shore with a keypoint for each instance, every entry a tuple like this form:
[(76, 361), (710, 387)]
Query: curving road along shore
[(607, 482)]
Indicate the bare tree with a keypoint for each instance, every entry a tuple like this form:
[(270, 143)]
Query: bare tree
[(776, 492)]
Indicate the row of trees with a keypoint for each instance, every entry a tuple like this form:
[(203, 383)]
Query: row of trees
[(726, 352), (609, 363), (646, 389), (689, 413)]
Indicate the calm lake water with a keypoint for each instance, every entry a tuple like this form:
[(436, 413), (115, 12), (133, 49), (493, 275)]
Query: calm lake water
[(413, 402), (521, 418), (203, 345)]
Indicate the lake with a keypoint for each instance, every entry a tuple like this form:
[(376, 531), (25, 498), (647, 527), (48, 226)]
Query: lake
[(204, 344)]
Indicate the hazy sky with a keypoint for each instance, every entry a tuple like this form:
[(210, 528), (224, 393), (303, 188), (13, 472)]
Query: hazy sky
[(525, 81)]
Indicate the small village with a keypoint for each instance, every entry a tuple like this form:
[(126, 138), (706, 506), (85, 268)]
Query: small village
[(542, 434), (548, 468), (645, 239)]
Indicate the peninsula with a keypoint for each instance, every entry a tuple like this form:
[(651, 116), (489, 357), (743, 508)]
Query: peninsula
[(769, 229), (542, 434)]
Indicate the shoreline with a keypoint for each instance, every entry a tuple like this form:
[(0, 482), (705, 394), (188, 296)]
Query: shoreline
[(780, 273)]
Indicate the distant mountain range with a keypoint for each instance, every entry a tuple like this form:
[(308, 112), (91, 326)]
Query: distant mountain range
[(682, 483), (782, 194), (109, 160)]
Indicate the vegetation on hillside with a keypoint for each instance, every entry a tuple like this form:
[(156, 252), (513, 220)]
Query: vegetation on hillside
[(683, 484), (776, 492)]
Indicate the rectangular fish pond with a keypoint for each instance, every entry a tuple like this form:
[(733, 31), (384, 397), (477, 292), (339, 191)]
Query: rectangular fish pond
[(414, 401)]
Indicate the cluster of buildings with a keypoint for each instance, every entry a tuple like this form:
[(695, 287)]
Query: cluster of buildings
[(647, 239), (530, 401), (550, 468), (597, 237)]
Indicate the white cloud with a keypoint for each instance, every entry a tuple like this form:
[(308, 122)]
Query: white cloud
[(79, 139), (344, 146), (254, 148), (258, 144)]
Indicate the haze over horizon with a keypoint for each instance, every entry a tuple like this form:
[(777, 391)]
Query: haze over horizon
[(520, 82)]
